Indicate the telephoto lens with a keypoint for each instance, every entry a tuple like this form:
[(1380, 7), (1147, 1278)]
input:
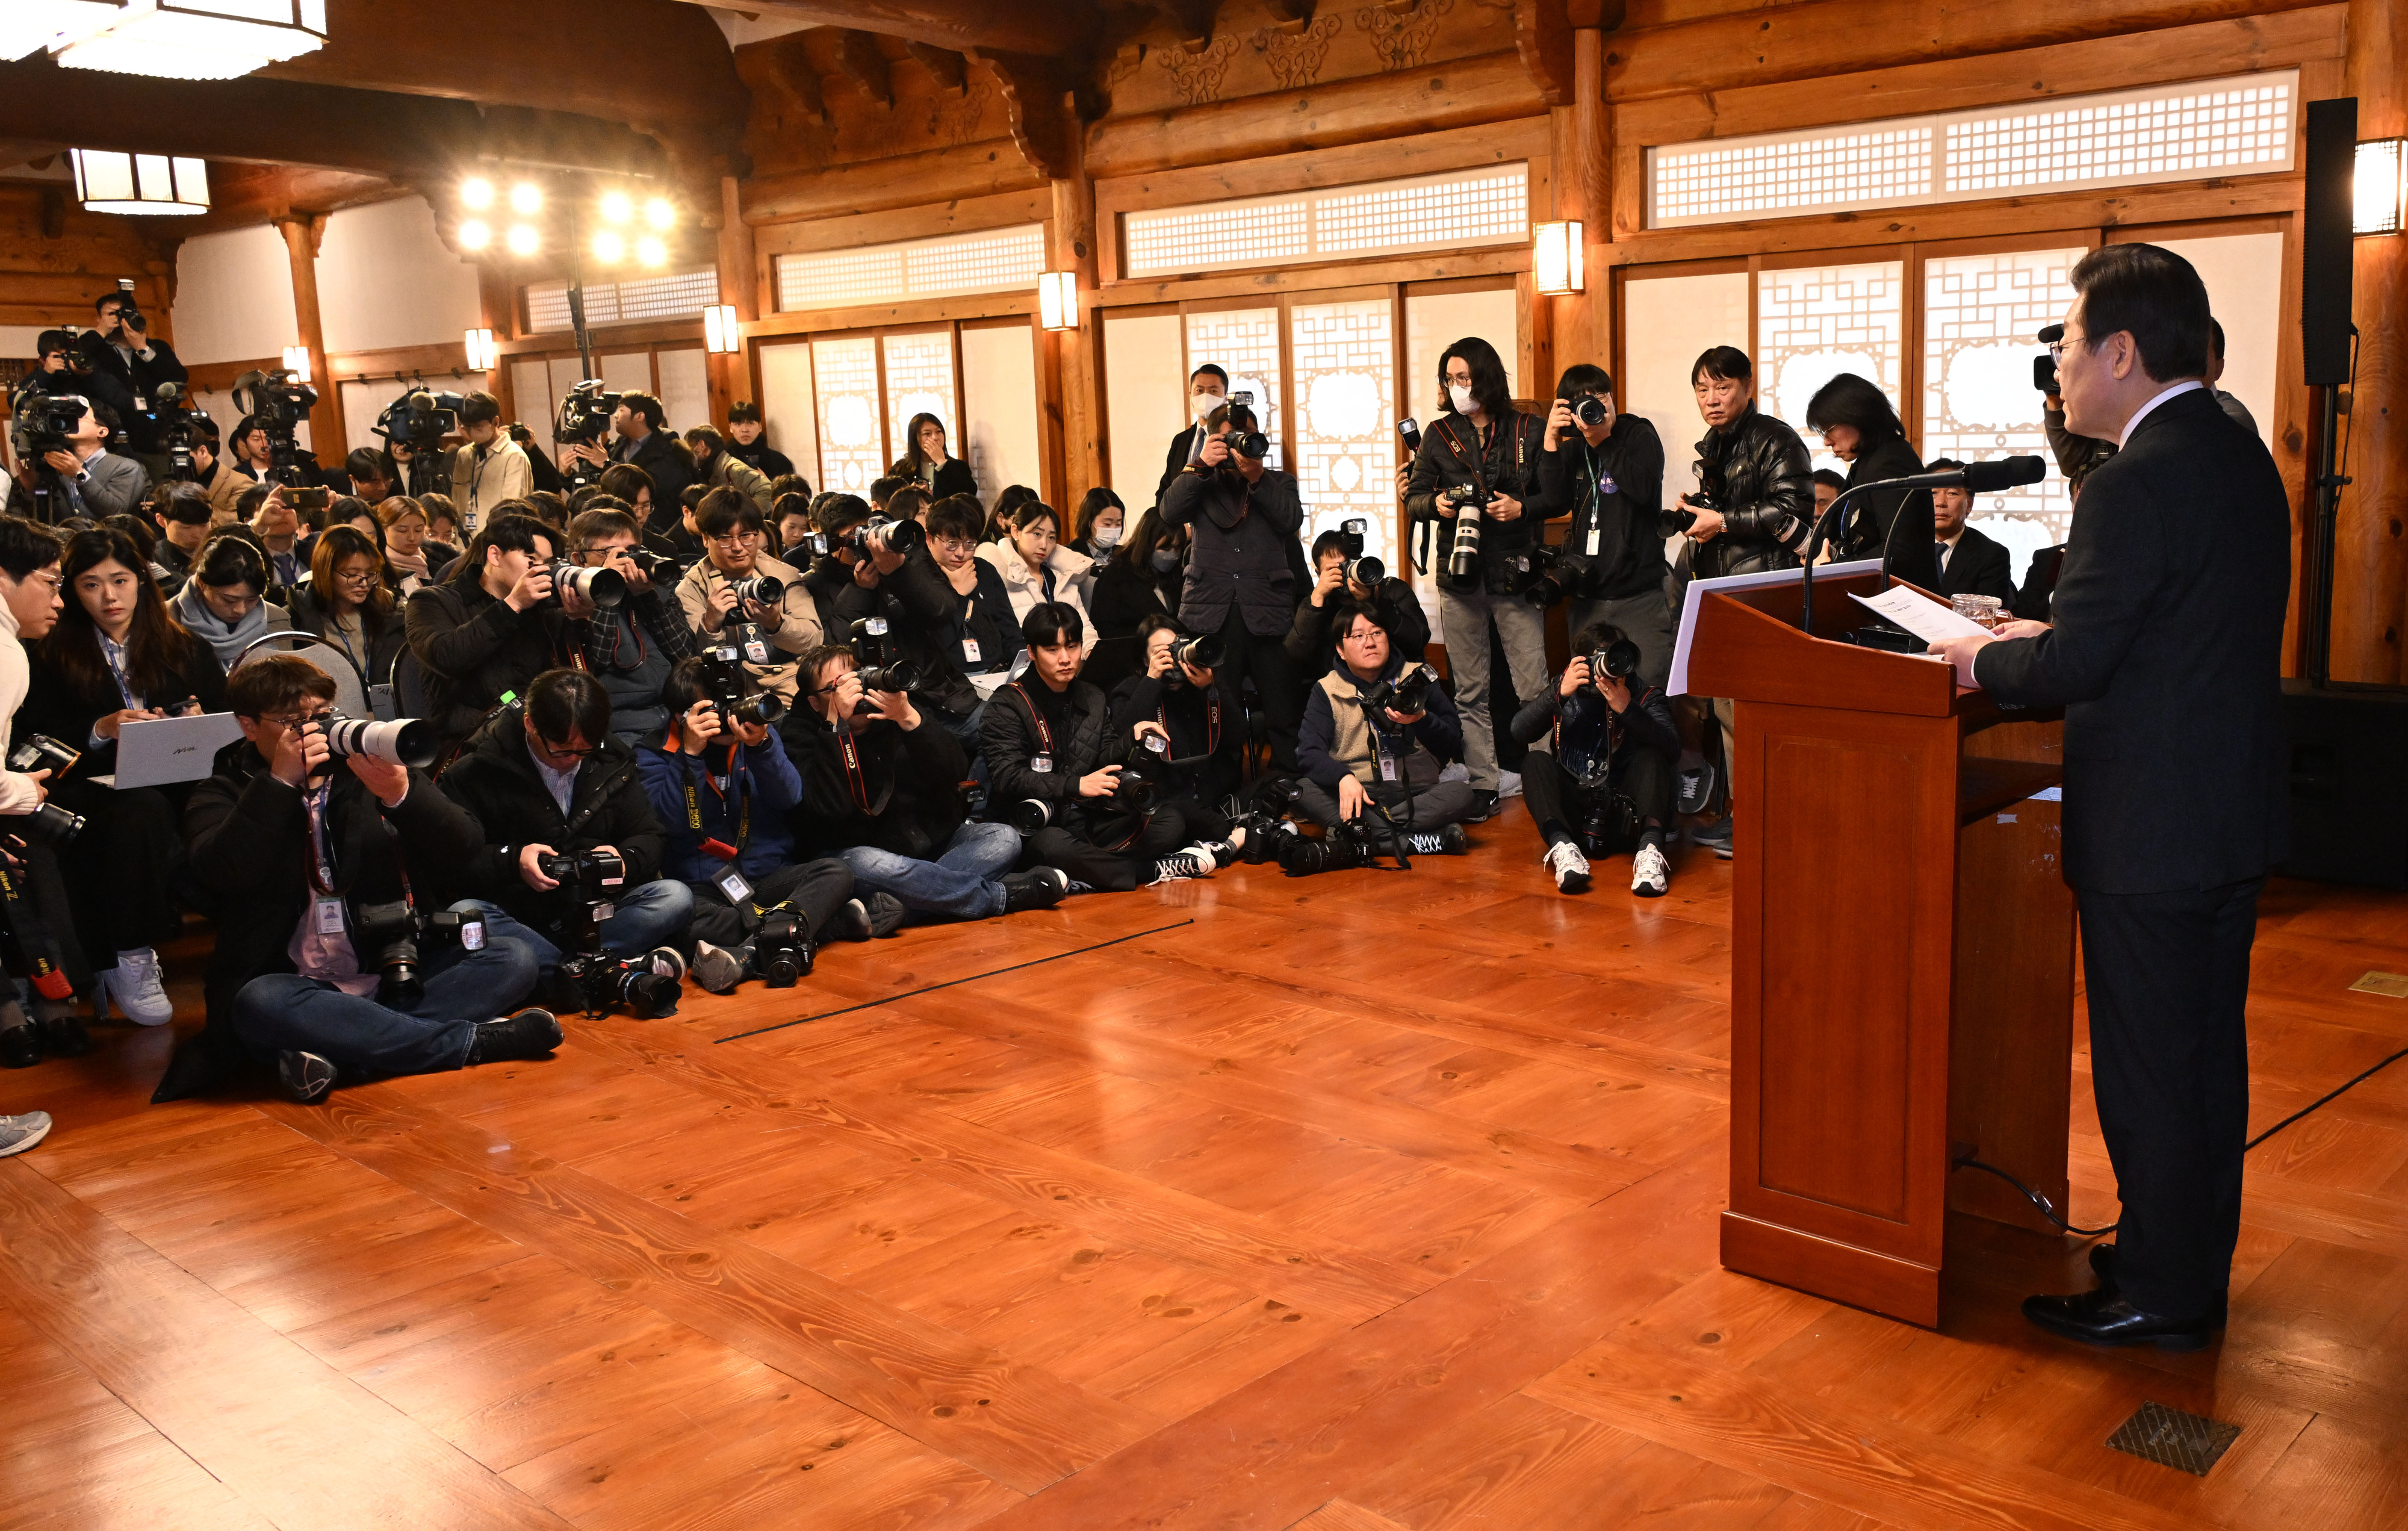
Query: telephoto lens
[(762, 589), (895, 536), (1618, 659), (403, 741), (1463, 558), (763, 708), (602, 587), (902, 675), (1030, 814), (1203, 652), (1252, 445), (49, 825), (1366, 572)]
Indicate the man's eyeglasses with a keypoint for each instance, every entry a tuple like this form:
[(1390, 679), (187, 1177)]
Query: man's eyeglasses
[(563, 751), (2057, 348)]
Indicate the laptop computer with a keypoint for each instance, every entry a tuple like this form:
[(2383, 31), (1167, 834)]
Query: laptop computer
[(153, 751)]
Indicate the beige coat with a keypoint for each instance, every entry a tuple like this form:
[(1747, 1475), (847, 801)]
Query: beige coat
[(798, 624), (729, 471), (1074, 574), (480, 484)]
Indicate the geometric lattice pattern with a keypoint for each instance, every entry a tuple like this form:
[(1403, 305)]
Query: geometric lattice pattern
[(1456, 210), (989, 261), (1814, 323), (853, 454), (1245, 343), (920, 380), (1980, 313), (1344, 357), (2239, 126), (673, 294)]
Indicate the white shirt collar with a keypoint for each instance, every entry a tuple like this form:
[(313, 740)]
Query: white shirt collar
[(2187, 385)]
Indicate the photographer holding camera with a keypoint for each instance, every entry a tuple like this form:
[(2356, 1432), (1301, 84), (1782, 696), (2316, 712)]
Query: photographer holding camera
[(1181, 699), (739, 592), (1341, 573), (1241, 584), (490, 628), (631, 647), (720, 780), (64, 463), (716, 467), (1377, 730), (582, 860), (1607, 470), (1055, 767), (126, 369), (35, 910), (1476, 479), (883, 794), (326, 965), (644, 441), (1605, 780), (488, 469)]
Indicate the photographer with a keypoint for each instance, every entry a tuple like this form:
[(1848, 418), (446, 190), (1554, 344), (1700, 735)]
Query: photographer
[(182, 514), (423, 473), (745, 443), (881, 792), (632, 647), (1181, 697), (252, 453), (1141, 576), (277, 526), (127, 367), (75, 473), (547, 777), (224, 604), (1607, 470), (491, 627), (1051, 756), (488, 469), (1480, 454), (713, 592), (29, 604), (347, 603), (1207, 390), (1310, 643), (716, 467), (644, 441), (724, 787), (374, 476), (1240, 585), (116, 657), (1608, 769), (1861, 429), (2079, 456), (1355, 754), (314, 867)]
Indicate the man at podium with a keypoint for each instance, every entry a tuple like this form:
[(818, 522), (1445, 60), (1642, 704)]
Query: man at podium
[(2164, 648)]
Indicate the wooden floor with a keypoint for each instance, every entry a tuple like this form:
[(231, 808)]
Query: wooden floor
[(1364, 1201)]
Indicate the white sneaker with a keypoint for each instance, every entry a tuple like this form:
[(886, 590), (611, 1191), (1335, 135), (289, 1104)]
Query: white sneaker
[(1182, 866), (1650, 873), (19, 1132), (133, 986), (1569, 867)]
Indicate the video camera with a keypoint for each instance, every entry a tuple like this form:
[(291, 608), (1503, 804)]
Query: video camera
[(583, 418), (181, 428), (390, 939), (1366, 572), (421, 419), (2044, 364), (277, 402), (871, 661), (42, 422)]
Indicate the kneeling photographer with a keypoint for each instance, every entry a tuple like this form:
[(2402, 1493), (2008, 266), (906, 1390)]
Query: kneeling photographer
[(313, 842), (1604, 783), (720, 781), (631, 646), (1182, 700), (580, 866), (1341, 574), (1054, 771), (1378, 731), (883, 794)]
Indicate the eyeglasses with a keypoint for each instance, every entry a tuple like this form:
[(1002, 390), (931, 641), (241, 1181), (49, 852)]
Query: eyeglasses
[(292, 723), (55, 582), (2057, 348), (562, 749), (355, 577)]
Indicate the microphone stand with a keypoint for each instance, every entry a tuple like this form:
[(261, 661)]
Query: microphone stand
[(1814, 541)]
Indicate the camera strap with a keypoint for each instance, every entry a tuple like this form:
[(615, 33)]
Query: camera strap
[(1044, 733), (1211, 724), (855, 777), (743, 798)]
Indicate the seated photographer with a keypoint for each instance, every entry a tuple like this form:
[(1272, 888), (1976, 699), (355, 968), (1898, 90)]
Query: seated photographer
[(115, 657), (1054, 768), (182, 514), (1181, 697), (744, 442), (1334, 587), (791, 520), (881, 792), (491, 627), (224, 604), (347, 603), (716, 467), (1606, 469), (325, 965), (1140, 577), (1357, 753), (488, 469), (754, 600), (973, 625), (29, 606), (631, 647), (548, 779), (724, 787), (1036, 568), (78, 476), (841, 564), (1602, 780)]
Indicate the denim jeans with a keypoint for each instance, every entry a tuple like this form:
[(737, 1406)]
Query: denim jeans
[(654, 914), (961, 882), (280, 1012)]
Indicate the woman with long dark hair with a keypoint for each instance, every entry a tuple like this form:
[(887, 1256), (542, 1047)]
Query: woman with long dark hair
[(347, 603), (413, 556), (1141, 578), (1861, 429), (1103, 520), (925, 462), (116, 657)]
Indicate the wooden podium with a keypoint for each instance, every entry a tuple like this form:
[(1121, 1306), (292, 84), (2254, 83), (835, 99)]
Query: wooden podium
[(1902, 951)]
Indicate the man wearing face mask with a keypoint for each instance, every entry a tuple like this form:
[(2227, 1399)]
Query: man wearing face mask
[(1241, 584), (1208, 389)]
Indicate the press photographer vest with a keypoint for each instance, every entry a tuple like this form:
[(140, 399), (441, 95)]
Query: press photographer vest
[(1350, 727)]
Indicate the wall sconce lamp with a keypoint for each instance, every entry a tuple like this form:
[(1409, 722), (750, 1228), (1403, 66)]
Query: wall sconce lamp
[(1556, 258), (721, 334), (1057, 300), (2382, 186), (483, 357)]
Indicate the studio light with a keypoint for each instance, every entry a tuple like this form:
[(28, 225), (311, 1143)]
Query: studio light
[(199, 40), (476, 194), (720, 333), (522, 240), (2382, 186), (109, 183), (617, 207), (660, 214), (650, 251), (475, 235), (608, 248), (296, 361), (482, 355), (28, 26), (1057, 300), (1556, 258), (527, 199)]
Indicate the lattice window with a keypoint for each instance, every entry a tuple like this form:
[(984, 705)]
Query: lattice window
[(2241, 125), (1815, 323), (852, 453), (1980, 313), (1243, 342), (990, 261), (1457, 210), (674, 294), (1344, 356), (920, 380)]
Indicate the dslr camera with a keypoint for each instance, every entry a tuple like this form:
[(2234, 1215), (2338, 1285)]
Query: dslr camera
[(731, 693), (781, 949), (601, 585), (421, 419), (601, 980), (400, 741), (1366, 572), (389, 938), (1408, 693), (1201, 650), (41, 752), (1618, 659), (871, 661), (894, 535), (1344, 845), (1471, 504), (592, 877), (1551, 574), (1589, 410)]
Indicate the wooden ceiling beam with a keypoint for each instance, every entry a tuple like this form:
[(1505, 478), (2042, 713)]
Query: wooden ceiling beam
[(858, 59), (1192, 18), (948, 68), (1057, 26), (1034, 91)]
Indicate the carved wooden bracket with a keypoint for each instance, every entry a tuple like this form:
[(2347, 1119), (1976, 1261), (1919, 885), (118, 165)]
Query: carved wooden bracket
[(800, 75), (1542, 31), (54, 212), (858, 60), (1034, 89), (1194, 20), (947, 67), (1291, 16)]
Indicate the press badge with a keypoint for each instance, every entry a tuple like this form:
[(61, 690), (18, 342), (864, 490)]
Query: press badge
[(329, 916), (732, 883), (756, 649), (970, 651), (1388, 767), (1041, 764)]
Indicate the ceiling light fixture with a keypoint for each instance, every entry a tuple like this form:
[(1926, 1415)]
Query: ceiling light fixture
[(110, 182), (608, 248), (29, 27), (660, 212), (650, 251), (522, 240), (476, 194), (617, 207), (527, 199), (199, 40), (475, 235)]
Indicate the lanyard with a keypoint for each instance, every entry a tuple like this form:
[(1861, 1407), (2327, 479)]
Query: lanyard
[(851, 754), (1211, 719), (114, 654), (743, 798), (320, 862)]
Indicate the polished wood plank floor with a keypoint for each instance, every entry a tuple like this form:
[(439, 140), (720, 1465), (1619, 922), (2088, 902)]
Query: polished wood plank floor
[(1363, 1202)]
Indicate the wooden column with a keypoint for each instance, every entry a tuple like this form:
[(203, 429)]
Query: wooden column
[(303, 233), (1580, 322), (1073, 353), (731, 374), (2371, 581)]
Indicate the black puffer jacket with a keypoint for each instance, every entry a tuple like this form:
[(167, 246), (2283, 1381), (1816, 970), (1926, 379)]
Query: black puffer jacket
[(912, 781), (1009, 739), (1763, 482), (1505, 457)]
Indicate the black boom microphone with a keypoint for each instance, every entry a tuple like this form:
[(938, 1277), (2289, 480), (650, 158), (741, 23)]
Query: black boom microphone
[(1983, 477)]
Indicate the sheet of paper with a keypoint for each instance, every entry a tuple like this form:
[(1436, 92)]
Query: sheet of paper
[(1919, 614)]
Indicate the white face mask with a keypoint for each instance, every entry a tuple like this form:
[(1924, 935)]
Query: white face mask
[(1205, 404), (1462, 397), (1101, 536)]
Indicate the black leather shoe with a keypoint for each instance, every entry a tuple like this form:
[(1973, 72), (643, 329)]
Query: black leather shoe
[(2102, 1318), (2102, 1264), (21, 1046)]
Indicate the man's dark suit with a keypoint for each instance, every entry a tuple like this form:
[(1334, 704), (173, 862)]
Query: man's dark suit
[(1977, 566), (2166, 654)]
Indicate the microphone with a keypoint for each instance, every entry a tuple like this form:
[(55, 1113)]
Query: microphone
[(1984, 478)]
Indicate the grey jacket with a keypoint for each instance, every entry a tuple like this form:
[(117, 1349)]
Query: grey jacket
[(109, 484), (1243, 562)]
